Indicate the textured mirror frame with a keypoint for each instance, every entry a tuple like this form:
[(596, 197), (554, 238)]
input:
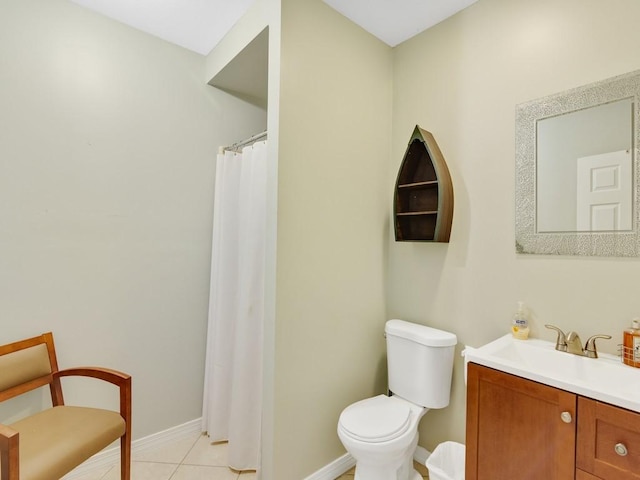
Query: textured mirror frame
[(606, 244)]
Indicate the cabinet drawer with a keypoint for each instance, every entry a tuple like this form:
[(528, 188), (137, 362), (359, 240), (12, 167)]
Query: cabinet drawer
[(605, 433)]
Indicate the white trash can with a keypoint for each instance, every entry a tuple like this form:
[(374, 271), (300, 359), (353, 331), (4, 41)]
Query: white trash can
[(447, 462)]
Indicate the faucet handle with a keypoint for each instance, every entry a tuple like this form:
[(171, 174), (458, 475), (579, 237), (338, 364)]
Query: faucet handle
[(590, 347), (561, 341)]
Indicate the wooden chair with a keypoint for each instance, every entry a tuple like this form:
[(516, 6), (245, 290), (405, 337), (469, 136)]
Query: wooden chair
[(51, 443)]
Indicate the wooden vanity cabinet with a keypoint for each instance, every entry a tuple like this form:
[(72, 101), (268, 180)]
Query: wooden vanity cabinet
[(515, 428), (521, 429)]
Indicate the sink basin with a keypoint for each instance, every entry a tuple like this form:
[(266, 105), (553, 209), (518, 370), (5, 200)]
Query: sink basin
[(605, 378)]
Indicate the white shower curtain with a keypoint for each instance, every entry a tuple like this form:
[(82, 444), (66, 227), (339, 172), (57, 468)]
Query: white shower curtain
[(233, 372)]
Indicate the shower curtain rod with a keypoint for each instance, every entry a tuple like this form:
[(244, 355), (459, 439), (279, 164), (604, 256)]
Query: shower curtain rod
[(244, 143)]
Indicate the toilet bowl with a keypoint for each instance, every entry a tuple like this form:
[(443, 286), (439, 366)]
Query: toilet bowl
[(381, 433)]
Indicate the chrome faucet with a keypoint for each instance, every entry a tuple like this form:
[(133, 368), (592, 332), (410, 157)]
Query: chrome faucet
[(571, 343)]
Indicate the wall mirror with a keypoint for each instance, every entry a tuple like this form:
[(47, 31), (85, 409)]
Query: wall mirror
[(577, 175)]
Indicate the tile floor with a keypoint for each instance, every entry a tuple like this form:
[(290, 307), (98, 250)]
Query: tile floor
[(192, 458), (422, 470)]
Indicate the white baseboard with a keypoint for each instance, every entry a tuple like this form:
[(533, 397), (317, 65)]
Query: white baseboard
[(334, 469), (111, 456), (345, 462), (421, 455)]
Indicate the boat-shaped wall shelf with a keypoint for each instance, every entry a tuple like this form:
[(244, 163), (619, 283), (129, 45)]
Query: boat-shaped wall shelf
[(423, 200)]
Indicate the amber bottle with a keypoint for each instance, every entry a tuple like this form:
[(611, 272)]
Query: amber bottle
[(631, 344)]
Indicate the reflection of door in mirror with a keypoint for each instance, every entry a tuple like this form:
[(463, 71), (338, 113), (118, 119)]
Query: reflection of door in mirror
[(561, 141), (604, 192)]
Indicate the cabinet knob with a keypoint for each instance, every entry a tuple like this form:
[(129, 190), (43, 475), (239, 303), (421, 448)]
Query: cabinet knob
[(566, 417), (620, 449)]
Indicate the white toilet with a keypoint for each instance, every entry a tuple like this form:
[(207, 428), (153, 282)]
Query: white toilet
[(381, 432)]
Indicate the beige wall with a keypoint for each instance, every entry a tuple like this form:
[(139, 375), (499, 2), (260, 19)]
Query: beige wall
[(335, 119), (461, 80), (261, 14), (107, 145)]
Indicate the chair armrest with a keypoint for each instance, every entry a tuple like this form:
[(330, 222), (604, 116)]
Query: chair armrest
[(112, 376), (6, 434), (120, 379), (9, 453)]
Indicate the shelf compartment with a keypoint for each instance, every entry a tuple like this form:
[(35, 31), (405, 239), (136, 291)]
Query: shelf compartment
[(417, 197), (417, 226)]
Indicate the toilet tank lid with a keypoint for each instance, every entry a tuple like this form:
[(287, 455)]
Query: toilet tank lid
[(422, 334)]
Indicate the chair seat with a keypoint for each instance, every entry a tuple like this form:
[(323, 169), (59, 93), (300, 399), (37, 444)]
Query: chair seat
[(53, 442)]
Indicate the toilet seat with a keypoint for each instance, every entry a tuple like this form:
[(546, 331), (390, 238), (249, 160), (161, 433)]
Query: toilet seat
[(375, 420)]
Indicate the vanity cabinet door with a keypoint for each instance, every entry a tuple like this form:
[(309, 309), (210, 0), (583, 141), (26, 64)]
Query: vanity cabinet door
[(517, 428), (608, 441), (582, 475)]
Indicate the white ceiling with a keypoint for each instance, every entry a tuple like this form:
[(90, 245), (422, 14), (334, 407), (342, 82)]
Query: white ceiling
[(394, 21), (199, 25)]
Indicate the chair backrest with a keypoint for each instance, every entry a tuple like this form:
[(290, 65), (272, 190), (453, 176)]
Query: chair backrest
[(27, 365)]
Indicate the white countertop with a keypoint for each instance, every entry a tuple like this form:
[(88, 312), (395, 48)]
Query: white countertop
[(605, 378)]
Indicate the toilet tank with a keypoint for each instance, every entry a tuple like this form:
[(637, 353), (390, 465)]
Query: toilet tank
[(420, 363)]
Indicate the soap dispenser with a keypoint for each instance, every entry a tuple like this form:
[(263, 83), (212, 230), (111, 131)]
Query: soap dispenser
[(520, 324), (631, 344)]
